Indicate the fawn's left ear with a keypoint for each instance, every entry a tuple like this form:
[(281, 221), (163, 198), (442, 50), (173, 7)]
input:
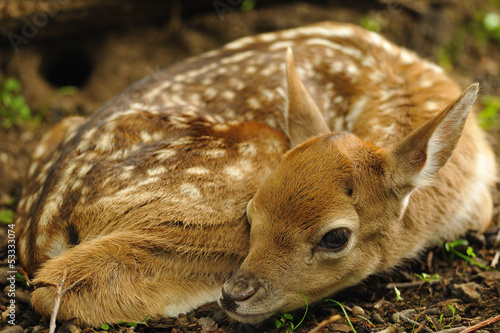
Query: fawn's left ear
[(303, 116), (416, 160)]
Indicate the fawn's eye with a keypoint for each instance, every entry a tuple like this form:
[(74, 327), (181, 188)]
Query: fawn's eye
[(335, 239)]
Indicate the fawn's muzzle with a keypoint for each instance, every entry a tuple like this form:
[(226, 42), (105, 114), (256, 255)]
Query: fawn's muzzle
[(236, 290)]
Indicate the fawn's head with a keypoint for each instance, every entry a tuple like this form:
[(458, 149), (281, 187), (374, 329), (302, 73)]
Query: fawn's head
[(319, 221)]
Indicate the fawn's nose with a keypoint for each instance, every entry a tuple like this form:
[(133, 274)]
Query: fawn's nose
[(237, 289)]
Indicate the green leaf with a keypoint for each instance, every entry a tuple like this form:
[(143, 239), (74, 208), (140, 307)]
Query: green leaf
[(398, 294), (470, 252), (247, 5), (370, 24), (12, 85), (7, 216), (491, 21), (105, 327), (68, 90)]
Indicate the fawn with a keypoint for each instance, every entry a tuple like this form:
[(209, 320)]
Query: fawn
[(299, 161)]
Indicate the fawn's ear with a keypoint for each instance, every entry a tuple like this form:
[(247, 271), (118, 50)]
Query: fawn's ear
[(302, 115), (416, 160)]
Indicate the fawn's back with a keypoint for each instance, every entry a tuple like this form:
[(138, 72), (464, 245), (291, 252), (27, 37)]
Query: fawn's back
[(146, 201)]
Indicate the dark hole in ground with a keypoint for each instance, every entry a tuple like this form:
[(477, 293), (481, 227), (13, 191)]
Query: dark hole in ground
[(66, 67)]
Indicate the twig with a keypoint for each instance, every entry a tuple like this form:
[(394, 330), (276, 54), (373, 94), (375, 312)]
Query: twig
[(494, 262), (57, 303), (412, 322), (452, 330), (481, 324), (59, 294), (325, 322), (401, 285), (25, 276)]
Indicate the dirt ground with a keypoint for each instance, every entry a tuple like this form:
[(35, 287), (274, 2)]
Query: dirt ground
[(103, 62)]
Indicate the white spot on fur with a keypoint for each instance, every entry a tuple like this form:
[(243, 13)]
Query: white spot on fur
[(431, 106), (355, 53), (406, 57), (281, 45), (165, 154), (182, 141), (159, 170), (221, 127), (426, 83), (76, 184), (337, 67), (268, 94), (197, 171), (210, 92), (105, 142), (214, 153), (355, 111), (247, 148), (251, 70), (352, 70), (269, 37), (149, 181), (39, 151), (229, 95), (32, 169), (190, 190), (41, 239), (145, 136), (238, 57), (82, 172), (49, 211), (56, 246), (254, 103), (236, 83)]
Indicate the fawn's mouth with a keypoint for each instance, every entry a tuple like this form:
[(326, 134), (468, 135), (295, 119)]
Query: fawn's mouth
[(251, 312), (249, 318)]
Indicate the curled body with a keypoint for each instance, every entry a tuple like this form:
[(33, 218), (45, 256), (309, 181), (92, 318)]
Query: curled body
[(304, 159)]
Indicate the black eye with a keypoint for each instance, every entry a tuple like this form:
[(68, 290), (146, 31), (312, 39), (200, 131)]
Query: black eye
[(349, 191), (335, 239)]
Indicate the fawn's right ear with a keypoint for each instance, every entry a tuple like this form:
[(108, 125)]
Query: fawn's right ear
[(304, 120), (416, 160)]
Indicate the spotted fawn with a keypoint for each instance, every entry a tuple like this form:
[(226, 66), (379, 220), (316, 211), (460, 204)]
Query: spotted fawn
[(288, 163)]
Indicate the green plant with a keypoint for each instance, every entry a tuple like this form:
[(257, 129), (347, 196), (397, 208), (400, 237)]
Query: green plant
[(13, 107), (367, 320), (20, 277), (427, 277), (343, 310), (470, 253), (451, 247), (488, 117), (247, 5), (286, 319), (441, 317), (7, 216), (398, 294), (415, 322), (105, 327), (370, 24)]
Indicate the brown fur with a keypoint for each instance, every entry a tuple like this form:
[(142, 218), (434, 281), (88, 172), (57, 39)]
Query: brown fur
[(145, 201)]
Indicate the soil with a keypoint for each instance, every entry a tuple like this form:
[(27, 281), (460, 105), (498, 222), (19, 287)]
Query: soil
[(103, 62)]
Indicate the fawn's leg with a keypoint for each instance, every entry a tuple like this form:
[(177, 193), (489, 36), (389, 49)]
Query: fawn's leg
[(127, 276)]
